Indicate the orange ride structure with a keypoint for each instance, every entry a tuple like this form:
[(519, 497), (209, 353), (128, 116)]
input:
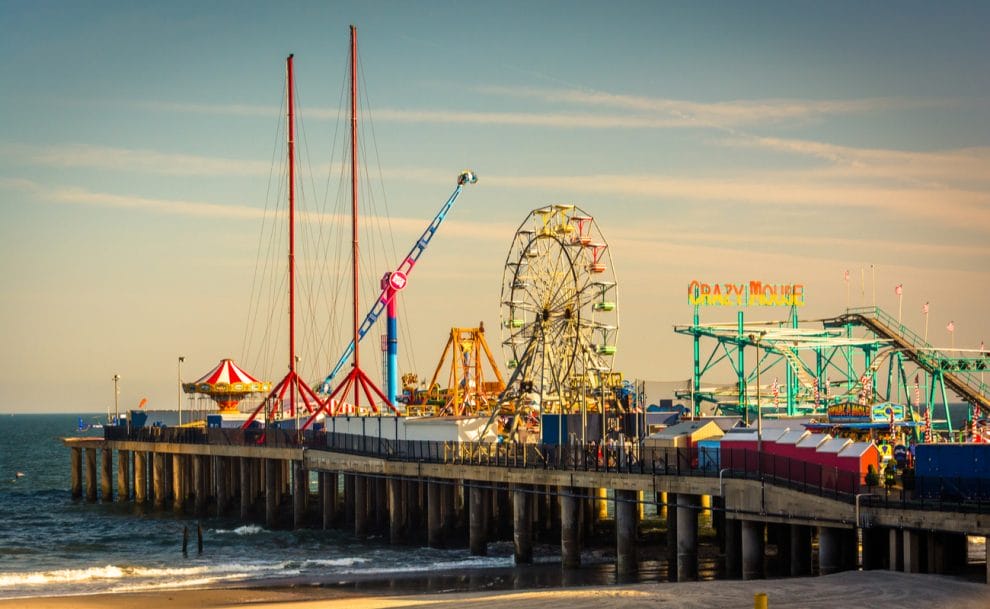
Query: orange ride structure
[(474, 381), (227, 384)]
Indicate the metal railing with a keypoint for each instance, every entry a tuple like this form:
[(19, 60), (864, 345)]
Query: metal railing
[(944, 494)]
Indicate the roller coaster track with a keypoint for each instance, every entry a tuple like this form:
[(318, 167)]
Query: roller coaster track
[(967, 385), (804, 376)]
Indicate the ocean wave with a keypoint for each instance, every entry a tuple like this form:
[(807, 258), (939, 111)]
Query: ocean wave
[(193, 582), (8, 580), (442, 565), (335, 562), (177, 576), (248, 529)]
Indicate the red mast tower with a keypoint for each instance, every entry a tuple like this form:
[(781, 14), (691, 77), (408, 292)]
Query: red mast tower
[(356, 377), (292, 384)]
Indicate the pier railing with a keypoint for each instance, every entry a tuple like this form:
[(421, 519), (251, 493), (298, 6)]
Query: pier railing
[(942, 494), (610, 458)]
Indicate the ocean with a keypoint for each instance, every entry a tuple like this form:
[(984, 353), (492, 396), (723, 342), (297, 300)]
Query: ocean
[(51, 545)]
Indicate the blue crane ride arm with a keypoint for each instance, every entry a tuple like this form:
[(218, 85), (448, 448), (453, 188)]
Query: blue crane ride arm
[(396, 280)]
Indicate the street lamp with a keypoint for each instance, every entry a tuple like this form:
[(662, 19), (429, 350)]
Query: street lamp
[(116, 395), (178, 394), (756, 338)]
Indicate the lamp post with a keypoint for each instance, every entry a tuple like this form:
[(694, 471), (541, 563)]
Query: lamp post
[(116, 395), (756, 338), (178, 391)]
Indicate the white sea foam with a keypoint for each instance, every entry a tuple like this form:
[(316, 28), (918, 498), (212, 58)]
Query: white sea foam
[(248, 529), (175, 576), (335, 562), (8, 580), (447, 565)]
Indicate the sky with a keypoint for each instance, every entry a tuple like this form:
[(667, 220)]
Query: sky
[(142, 143)]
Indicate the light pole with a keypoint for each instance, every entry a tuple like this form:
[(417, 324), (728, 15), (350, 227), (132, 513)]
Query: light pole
[(178, 391), (116, 394), (756, 338)]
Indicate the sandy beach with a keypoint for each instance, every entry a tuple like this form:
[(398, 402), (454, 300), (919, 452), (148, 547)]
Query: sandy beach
[(850, 590)]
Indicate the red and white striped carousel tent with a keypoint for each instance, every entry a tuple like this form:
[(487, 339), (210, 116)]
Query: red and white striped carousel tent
[(227, 384)]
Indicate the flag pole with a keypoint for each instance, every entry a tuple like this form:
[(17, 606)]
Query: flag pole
[(899, 290), (862, 286), (846, 277), (873, 279)]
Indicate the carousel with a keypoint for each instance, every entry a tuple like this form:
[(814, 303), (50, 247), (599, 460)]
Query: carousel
[(227, 384)]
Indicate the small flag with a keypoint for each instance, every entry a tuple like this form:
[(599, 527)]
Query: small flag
[(924, 309), (899, 289), (951, 326), (143, 402), (846, 276)]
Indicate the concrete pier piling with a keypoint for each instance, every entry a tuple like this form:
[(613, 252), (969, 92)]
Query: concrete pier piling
[(247, 499), (159, 479), (671, 550), (626, 527), (199, 484), (522, 526), (800, 550), (349, 499), (829, 550), (434, 509), (106, 475), (911, 551), (140, 477), (570, 529), (300, 488), (178, 482), (396, 511), (328, 498), (91, 475), (76, 472), (733, 549), (272, 492), (221, 484), (687, 537), (478, 526), (123, 476), (360, 506), (753, 549)]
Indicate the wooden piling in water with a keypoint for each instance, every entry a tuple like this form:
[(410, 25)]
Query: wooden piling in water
[(76, 465)]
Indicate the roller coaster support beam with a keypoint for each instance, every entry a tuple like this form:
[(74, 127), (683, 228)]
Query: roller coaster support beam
[(696, 378)]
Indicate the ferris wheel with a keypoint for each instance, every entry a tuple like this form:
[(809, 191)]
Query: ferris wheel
[(559, 308)]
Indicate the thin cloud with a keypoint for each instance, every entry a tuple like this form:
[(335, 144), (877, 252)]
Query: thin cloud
[(728, 113), (803, 242), (965, 165), (475, 231), (942, 206), (134, 160), (557, 120)]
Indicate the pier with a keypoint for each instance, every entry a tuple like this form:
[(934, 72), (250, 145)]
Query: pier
[(443, 493)]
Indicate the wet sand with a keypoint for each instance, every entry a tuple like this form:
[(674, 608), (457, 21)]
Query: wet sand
[(850, 590)]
